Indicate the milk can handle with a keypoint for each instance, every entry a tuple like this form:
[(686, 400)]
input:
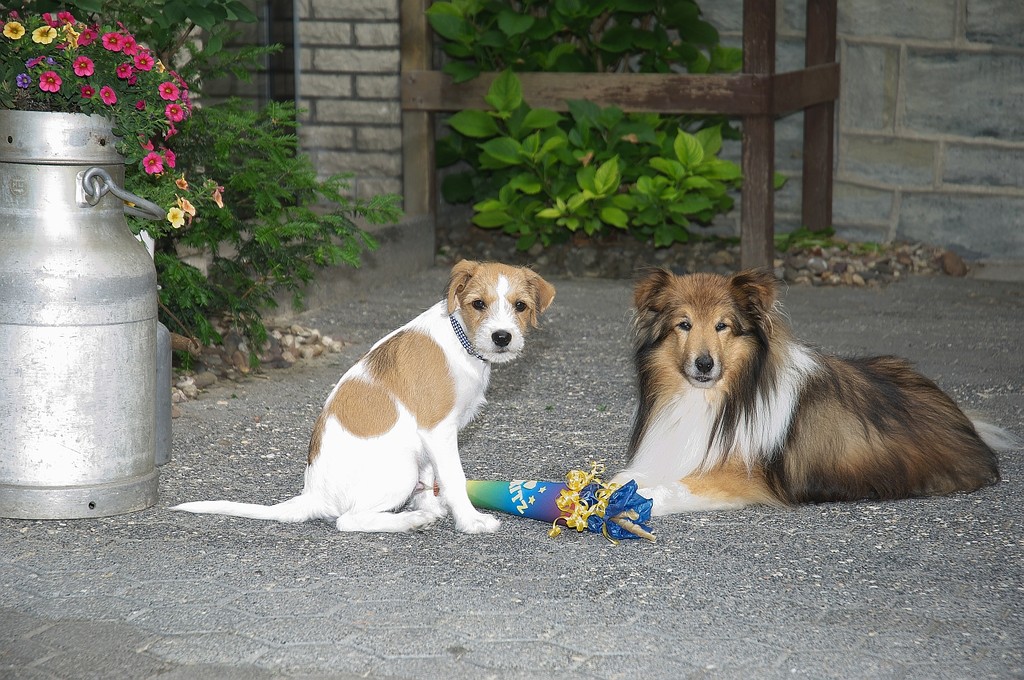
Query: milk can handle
[(95, 182)]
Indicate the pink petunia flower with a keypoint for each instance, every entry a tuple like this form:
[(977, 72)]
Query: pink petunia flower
[(144, 61), (123, 71), (170, 157), (174, 113), (88, 91), (87, 37), (140, 105), (113, 41), (50, 81), (65, 17), (107, 95), (168, 91), (147, 145), (84, 66), (51, 20), (153, 163), (129, 46)]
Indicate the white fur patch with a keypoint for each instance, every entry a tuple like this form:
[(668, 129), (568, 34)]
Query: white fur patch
[(764, 430)]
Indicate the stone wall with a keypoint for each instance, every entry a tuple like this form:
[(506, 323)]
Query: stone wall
[(349, 84), (930, 120)]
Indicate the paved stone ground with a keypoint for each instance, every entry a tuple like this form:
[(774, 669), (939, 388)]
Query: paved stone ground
[(926, 588)]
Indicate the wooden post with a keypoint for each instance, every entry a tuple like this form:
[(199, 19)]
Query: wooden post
[(418, 171), (819, 120), (757, 206)]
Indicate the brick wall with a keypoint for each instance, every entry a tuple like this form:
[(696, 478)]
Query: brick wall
[(930, 121), (348, 82)]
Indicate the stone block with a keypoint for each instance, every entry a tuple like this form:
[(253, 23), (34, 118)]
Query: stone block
[(327, 137), (364, 164), (983, 165), (853, 204), (963, 93), (932, 20), (888, 160), (378, 87), (381, 112), (355, 9), (974, 226), (377, 138), (325, 33), (377, 34), (867, 98), (326, 85), (356, 60), (996, 22)]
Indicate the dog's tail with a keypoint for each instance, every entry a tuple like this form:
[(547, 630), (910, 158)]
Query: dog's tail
[(997, 438), (299, 509)]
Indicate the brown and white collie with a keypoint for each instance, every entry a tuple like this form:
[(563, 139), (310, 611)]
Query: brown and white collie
[(734, 411)]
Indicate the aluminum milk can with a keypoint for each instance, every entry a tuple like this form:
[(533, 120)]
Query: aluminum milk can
[(78, 308)]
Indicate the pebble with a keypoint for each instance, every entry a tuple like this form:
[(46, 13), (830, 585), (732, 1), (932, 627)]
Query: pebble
[(286, 345), (838, 264)]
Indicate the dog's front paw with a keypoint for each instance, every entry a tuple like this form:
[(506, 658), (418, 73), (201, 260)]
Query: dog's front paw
[(477, 523)]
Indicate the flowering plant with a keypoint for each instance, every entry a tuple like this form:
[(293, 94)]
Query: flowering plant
[(54, 63)]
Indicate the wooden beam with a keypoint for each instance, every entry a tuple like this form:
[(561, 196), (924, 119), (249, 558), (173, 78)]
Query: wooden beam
[(419, 187), (757, 204), (733, 95), (819, 120), (797, 90)]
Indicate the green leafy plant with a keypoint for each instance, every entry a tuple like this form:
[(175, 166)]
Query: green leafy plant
[(242, 199), (540, 175), (264, 231), (641, 36), (544, 176)]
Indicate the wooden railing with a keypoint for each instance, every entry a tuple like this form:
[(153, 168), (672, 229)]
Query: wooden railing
[(758, 96)]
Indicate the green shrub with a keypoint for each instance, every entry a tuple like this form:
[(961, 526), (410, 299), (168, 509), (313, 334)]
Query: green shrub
[(540, 175), (544, 176)]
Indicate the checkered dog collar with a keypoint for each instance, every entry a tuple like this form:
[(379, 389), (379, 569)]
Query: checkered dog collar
[(461, 335)]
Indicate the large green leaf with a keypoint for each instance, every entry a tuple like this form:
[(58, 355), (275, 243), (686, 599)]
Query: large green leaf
[(688, 149), (473, 123), (512, 23), (505, 93)]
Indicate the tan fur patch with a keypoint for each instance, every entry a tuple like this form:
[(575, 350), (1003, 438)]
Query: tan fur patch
[(731, 482), (363, 409), (413, 368)]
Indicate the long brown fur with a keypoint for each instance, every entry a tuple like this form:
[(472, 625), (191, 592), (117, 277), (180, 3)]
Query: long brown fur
[(868, 428)]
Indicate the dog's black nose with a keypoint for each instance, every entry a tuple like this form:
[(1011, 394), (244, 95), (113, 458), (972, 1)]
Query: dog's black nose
[(501, 338), (704, 363)]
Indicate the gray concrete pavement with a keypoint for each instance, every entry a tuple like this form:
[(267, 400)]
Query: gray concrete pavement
[(928, 588)]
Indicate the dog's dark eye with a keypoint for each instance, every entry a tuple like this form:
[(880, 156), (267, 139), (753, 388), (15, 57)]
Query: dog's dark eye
[(520, 306), (479, 305), (721, 326), (686, 325)]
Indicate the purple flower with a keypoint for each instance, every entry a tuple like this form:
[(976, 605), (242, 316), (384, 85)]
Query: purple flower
[(51, 61), (33, 62), (23, 80)]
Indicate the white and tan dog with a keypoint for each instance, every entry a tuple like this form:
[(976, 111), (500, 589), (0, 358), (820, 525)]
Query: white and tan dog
[(389, 430)]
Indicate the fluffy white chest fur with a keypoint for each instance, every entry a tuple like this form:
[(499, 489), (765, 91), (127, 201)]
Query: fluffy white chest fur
[(388, 433)]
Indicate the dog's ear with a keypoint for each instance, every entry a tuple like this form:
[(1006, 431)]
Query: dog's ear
[(462, 272), (648, 295), (543, 294), (755, 292), (650, 299)]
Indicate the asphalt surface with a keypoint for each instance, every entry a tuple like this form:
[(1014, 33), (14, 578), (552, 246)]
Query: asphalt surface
[(929, 588)]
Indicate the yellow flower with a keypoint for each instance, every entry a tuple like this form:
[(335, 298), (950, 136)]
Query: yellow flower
[(44, 35), (176, 216), (71, 35), (14, 30)]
